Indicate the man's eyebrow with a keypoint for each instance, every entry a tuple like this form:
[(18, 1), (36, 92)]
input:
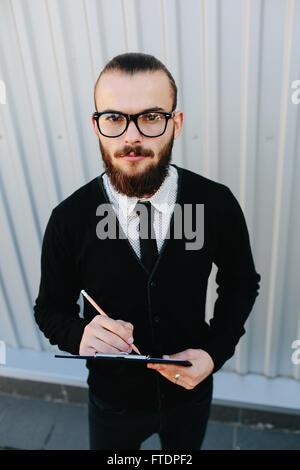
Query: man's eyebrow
[(154, 108)]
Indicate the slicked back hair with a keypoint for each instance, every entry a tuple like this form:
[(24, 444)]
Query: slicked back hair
[(134, 62)]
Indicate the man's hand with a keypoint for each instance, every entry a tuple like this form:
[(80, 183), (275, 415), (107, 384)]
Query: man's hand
[(105, 335), (189, 377)]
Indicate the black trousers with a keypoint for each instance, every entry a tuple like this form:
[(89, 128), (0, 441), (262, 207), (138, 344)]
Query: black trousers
[(182, 427)]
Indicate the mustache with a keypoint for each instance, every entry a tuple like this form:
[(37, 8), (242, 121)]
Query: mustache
[(138, 150)]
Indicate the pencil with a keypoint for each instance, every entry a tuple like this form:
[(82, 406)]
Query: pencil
[(99, 309)]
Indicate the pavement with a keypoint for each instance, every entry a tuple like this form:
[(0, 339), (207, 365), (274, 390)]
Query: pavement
[(28, 423)]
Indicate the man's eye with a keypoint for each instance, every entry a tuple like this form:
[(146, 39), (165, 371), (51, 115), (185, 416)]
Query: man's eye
[(113, 117), (153, 117)]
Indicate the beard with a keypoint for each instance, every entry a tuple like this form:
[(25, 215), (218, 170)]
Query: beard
[(142, 184)]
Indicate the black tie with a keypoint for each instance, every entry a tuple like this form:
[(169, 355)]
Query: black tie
[(149, 252)]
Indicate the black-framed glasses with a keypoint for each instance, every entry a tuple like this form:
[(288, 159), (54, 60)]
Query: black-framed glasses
[(114, 123)]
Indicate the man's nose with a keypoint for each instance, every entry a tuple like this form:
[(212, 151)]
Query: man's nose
[(132, 134)]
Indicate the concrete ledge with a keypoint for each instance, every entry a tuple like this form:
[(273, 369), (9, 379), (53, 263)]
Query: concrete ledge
[(254, 391), (42, 366), (43, 390), (69, 394)]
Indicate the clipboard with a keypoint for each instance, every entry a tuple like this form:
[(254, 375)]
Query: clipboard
[(130, 358)]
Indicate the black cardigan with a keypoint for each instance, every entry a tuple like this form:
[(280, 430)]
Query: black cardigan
[(166, 306)]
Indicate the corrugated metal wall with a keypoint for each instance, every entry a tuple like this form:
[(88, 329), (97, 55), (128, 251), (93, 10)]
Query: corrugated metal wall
[(234, 63)]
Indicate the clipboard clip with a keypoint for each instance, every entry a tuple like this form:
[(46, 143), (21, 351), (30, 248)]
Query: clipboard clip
[(123, 356)]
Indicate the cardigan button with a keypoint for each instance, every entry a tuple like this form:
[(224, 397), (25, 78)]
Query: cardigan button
[(152, 284), (156, 319)]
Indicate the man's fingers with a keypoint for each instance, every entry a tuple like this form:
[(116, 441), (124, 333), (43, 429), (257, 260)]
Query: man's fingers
[(106, 335), (183, 355), (126, 324), (117, 327), (110, 338), (170, 374), (187, 377), (101, 346), (169, 371)]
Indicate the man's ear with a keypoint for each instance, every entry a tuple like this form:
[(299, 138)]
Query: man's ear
[(178, 123), (95, 126)]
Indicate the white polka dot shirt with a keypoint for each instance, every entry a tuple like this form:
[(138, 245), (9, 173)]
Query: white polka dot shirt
[(163, 202)]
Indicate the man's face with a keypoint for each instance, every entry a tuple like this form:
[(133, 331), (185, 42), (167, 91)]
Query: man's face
[(133, 94)]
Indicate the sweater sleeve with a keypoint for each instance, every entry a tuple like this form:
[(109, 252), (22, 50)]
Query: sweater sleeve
[(56, 310), (237, 280)]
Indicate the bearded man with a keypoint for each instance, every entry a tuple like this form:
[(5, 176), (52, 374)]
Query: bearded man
[(153, 287)]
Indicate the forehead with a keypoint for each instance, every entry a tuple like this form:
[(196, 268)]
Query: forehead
[(133, 93)]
